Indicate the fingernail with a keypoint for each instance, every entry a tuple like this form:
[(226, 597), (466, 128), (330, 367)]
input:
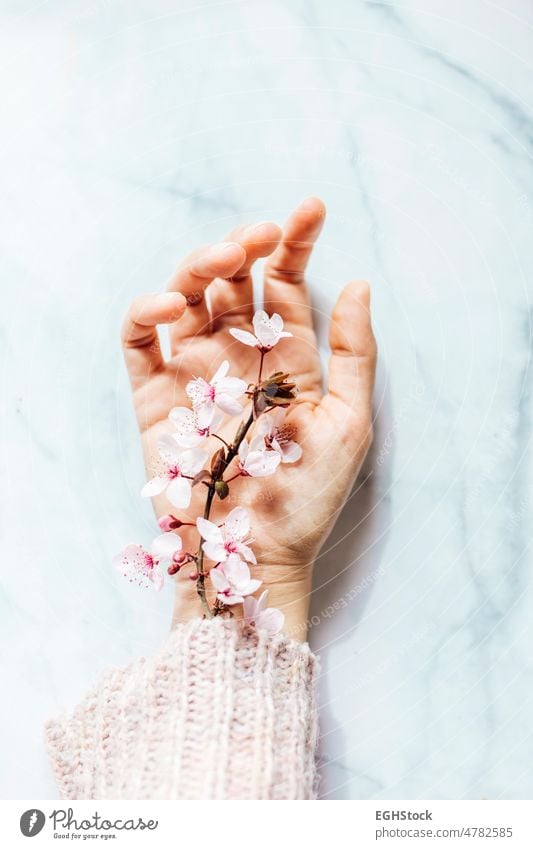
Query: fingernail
[(311, 204), (221, 248), (253, 227), (168, 298)]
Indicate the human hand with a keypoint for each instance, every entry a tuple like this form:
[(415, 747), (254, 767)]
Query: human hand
[(293, 511)]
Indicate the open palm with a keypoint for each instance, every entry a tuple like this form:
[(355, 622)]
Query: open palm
[(292, 511)]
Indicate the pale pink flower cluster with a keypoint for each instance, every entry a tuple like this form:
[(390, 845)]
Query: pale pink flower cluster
[(143, 566), (183, 463)]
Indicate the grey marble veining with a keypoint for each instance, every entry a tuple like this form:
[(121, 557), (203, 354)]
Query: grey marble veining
[(132, 131)]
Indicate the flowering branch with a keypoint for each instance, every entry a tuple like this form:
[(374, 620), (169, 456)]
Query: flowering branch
[(184, 460)]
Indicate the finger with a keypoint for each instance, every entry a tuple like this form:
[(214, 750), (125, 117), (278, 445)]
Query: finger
[(140, 340), (192, 278), (234, 298), (285, 290), (352, 364)]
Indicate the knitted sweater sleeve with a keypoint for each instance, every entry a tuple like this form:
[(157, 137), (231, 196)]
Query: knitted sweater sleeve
[(220, 712)]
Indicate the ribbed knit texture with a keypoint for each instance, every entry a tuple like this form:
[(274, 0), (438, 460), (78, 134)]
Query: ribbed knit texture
[(220, 712)]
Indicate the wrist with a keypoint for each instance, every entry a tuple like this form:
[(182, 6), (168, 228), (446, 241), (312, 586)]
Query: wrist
[(291, 596)]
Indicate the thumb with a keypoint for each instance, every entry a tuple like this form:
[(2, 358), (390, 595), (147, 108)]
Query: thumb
[(352, 365)]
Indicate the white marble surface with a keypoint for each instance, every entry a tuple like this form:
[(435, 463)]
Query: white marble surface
[(135, 129)]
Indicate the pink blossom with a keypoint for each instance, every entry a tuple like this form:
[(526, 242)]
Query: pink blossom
[(173, 482), (255, 460), (220, 391), (221, 541), (232, 580), (189, 434), (264, 618), (277, 436), (268, 331), (138, 564)]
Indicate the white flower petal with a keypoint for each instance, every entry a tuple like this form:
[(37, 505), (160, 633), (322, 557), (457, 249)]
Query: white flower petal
[(232, 386), (231, 599), (197, 390), (270, 620), (130, 559), (246, 552), (165, 546), (216, 421), (205, 413), (249, 608), (236, 571), (244, 336), (188, 440), (251, 587), (215, 551), (237, 524), (219, 580), (169, 449), (136, 564), (264, 426), (154, 487), (220, 373), (260, 464), (257, 442), (267, 336), (291, 452), (193, 460), (187, 434), (254, 610), (182, 417), (261, 601), (156, 576), (228, 404), (208, 530), (269, 330), (179, 492), (260, 318)]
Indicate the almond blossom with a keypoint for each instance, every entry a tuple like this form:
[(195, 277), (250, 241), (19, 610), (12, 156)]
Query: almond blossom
[(261, 442), (263, 618), (277, 435), (255, 460), (221, 541), (176, 481), (142, 566), (232, 581), (221, 391), (189, 434), (268, 331)]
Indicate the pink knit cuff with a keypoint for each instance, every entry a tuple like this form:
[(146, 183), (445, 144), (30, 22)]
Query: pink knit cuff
[(220, 712)]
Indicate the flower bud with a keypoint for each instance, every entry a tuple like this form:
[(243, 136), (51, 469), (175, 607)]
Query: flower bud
[(180, 557), (193, 576), (217, 463), (174, 568), (221, 489), (169, 523)]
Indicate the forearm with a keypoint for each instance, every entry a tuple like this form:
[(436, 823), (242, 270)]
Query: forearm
[(221, 712)]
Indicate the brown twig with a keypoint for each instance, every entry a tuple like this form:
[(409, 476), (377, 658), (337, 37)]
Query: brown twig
[(233, 450)]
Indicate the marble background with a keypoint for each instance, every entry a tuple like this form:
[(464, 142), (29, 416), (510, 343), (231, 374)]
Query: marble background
[(133, 130)]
